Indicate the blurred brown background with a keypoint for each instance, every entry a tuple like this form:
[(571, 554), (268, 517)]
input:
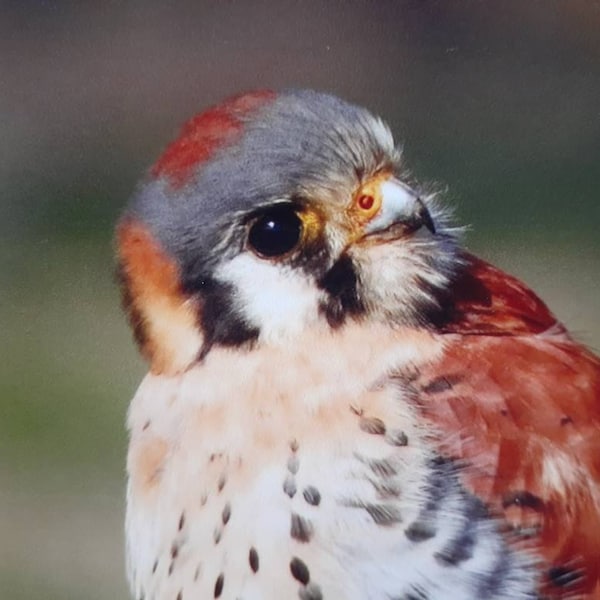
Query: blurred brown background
[(499, 100)]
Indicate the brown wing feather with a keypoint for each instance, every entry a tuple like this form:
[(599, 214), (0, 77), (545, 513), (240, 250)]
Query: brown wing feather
[(519, 402)]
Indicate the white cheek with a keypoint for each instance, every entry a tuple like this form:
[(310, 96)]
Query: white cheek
[(280, 301)]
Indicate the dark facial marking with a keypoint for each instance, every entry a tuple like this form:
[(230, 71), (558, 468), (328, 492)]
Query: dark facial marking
[(341, 285), (219, 320), (299, 570)]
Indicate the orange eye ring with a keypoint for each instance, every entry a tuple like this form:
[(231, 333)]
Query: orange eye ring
[(366, 201)]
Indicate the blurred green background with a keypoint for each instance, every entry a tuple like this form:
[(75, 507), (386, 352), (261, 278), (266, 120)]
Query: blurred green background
[(498, 100)]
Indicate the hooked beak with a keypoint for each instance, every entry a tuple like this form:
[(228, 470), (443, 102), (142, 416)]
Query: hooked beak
[(401, 212)]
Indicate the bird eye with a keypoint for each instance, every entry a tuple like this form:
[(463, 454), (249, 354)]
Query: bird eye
[(275, 232)]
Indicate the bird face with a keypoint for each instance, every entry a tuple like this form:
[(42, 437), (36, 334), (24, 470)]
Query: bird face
[(272, 214)]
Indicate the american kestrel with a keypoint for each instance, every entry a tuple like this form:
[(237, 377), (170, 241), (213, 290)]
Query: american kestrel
[(342, 403)]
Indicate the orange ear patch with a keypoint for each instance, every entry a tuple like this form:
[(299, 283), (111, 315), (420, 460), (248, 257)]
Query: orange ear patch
[(164, 319)]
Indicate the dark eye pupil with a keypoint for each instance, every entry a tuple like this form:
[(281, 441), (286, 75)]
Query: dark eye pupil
[(275, 232)]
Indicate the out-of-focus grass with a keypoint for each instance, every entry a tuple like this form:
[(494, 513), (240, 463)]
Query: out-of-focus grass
[(68, 371)]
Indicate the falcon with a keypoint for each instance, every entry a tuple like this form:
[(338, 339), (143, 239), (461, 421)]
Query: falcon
[(342, 403)]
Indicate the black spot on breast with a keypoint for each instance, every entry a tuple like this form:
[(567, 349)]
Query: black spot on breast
[(563, 576), (293, 464), (217, 533), (441, 384), (397, 438), (420, 531), (174, 550), (383, 514), (146, 425), (383, 468), (496, 580), (416, 593), (387, 489), (310, 592), (289, 486), (219, 585), (312, 495), (221, 482), (372, 425), (226, 514), (179, 595), (460, 548), (253, 559), (301, 529), (155, 566), (299, 570), (181, 522), (457, 551), (524, 499), (440, 482)]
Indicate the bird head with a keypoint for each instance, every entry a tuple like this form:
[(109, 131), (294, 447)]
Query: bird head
[(273, 213)]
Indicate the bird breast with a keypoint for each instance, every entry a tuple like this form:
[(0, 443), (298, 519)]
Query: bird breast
[(285, 473)]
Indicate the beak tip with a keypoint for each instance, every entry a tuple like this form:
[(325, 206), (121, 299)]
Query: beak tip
[(424, 216)]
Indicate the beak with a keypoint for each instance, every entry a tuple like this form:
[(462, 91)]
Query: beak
[(401, 212)]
